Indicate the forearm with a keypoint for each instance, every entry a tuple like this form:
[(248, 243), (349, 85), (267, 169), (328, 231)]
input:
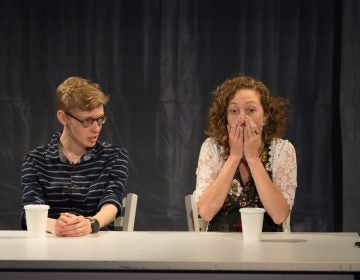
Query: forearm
[(215, 194), (270, 196), (106, 215)]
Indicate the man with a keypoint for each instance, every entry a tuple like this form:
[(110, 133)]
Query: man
[(81, 179)]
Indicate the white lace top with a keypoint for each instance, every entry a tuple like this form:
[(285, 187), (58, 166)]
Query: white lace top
[(282, 163)]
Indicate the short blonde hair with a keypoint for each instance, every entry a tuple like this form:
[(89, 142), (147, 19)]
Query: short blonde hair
[(79, 93)]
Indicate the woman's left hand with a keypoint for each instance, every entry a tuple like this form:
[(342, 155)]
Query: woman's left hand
[(252, 139)]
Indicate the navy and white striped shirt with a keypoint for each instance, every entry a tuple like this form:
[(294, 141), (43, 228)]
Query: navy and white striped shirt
[(47, 177)]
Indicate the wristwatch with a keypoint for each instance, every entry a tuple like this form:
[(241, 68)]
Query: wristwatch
[(95, 226)]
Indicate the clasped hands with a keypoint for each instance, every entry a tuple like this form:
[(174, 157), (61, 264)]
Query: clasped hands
[(244, 138), (71, 225)]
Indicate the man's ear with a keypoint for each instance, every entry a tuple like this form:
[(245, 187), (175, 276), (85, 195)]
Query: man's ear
[(61, 116)]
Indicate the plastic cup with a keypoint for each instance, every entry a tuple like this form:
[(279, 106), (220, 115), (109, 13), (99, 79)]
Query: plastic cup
[(36, 219), (252, 223)]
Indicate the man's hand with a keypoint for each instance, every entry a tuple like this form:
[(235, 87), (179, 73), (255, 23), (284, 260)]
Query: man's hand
[(71, 225)]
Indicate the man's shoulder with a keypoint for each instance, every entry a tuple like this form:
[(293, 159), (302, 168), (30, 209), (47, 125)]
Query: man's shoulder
[(40, 151), (49, 150), (107, 149)]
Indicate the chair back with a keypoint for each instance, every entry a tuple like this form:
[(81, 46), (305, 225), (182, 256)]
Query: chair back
[(126, 221), (194, 221)]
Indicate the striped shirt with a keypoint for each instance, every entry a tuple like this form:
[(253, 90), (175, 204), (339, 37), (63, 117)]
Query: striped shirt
[(48, 177)]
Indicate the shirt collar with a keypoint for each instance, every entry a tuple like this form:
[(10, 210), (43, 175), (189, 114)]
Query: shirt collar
[(55, 151)]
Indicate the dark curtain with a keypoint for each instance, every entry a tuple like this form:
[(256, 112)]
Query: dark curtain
[(159, 61), (350, 115)]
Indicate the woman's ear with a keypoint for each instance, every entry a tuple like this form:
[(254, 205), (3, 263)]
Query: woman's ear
[(61, 116)]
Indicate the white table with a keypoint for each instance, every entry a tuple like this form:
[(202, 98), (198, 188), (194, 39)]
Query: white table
[(199, 255)]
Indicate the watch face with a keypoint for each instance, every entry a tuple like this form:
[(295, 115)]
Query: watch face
[(95, 226)]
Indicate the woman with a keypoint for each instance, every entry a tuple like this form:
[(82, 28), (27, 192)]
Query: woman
[(244, 162)]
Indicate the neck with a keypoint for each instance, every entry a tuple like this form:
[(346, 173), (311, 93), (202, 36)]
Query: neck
[(71, 149)]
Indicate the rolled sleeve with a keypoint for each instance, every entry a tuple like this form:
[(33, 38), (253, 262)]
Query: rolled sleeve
[(115, 186)]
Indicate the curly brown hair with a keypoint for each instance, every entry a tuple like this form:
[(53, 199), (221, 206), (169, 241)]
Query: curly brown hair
[(275, 110)]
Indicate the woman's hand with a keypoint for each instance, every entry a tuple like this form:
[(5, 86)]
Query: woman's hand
[(236, 139), (252, 139)]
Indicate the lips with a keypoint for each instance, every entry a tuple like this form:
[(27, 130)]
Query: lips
[(92, 139)]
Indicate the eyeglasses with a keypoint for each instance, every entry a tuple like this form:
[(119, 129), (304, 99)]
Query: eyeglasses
[(89, 121)]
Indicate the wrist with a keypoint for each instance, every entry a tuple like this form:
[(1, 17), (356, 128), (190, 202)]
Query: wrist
[(50, 225), (234, 158), (253, 160), (94, 225)]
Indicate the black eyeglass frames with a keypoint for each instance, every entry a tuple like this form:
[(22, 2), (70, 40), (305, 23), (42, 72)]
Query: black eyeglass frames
[(89, 121)]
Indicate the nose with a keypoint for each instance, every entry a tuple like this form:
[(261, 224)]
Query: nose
[(241, 115), (95, 126)]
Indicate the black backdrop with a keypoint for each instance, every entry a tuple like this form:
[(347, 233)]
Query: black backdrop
[(159, 60)]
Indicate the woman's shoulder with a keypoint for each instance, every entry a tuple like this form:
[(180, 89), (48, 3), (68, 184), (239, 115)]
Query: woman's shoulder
[(279, 146), (211, 144), (210, 141), (281, 143)]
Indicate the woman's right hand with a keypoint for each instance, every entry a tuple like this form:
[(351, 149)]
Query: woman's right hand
[(236, 139)]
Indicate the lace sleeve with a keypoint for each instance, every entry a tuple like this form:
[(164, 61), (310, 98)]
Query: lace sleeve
[(209, 166), (284, 169)]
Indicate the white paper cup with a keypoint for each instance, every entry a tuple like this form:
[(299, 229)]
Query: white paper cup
[(36, 219), (252, 223)]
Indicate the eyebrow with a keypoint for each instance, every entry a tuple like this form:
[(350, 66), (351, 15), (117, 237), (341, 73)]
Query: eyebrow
[(246, 103), (88, 117)]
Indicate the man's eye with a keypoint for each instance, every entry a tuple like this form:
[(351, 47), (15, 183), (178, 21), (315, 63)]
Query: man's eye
[(88, 121)]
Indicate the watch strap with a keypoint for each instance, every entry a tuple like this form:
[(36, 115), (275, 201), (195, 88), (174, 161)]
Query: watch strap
[(95, 225)]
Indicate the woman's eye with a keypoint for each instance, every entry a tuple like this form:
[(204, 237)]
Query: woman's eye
[(233, 111), (251, 110)]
